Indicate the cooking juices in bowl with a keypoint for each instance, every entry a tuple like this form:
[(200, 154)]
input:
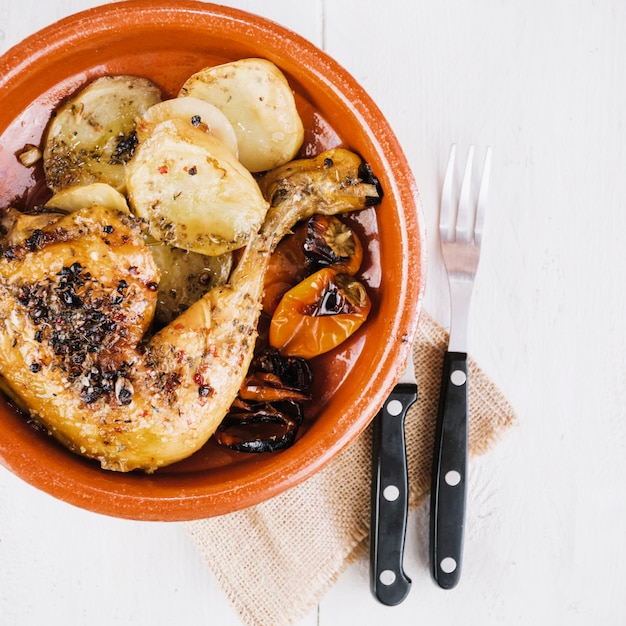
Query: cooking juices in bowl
[(129, 38)]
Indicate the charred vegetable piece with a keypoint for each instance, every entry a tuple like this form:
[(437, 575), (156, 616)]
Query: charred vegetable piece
[(273, 378), (293, 371), (268, 411), (318, 242), (330, 242), (318, 314), (265, 387), (257, 427)]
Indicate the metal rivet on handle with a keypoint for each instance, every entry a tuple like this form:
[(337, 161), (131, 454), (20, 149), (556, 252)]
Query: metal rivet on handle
[(394, 407), (387, 577), (458, 378), (452, 478), (391, 493), (447, 565)]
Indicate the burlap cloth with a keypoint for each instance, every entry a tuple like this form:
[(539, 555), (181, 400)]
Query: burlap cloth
[(275, 560)]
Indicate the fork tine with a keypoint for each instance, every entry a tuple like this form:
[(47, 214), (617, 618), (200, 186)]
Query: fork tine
[(465, 216), (447, 211), (481, 204)]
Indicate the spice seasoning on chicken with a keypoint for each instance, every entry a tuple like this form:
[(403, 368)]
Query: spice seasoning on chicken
[(82, 322)]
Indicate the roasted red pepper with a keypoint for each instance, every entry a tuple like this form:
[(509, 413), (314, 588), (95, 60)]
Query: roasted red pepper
[(318, 314)]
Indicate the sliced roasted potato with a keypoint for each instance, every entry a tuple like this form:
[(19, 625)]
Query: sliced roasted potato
[(192, 191), (85, 196), (257, 99), (199, 113), (93, 135), (185, 277)]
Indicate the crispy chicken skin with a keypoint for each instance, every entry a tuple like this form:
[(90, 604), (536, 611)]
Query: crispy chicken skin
[(77, 297)]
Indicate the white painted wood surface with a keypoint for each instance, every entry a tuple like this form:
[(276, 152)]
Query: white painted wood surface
[(544, 82)]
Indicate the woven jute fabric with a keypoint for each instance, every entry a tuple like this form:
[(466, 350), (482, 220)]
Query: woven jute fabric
[(275, 561)]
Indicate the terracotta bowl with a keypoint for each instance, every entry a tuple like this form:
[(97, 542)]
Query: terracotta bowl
[(167, 42)]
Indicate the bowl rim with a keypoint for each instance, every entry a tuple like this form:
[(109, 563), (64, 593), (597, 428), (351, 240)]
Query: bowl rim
[(107, 494)]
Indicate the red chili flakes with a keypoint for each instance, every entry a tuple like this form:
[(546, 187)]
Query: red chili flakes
[(163, 169)]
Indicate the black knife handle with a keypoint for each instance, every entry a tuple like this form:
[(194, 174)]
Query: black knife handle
[(449, 475), (390, 491)]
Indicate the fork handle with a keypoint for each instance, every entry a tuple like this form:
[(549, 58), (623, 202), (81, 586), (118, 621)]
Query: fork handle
[(390, 498), (449, 475)]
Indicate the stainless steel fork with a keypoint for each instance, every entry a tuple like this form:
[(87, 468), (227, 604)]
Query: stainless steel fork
[(460, 232)]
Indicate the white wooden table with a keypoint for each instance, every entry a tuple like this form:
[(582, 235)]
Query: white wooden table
[(544, 82)]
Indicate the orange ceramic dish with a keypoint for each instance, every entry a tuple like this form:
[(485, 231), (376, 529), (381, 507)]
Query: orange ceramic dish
[(167, 42)]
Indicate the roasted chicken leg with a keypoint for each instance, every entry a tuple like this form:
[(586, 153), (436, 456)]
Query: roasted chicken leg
[(77, 297)]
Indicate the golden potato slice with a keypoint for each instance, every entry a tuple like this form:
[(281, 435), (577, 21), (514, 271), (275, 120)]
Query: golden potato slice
[(185, 277), (192, 191), (93, 135), (85, 196), (257, 99), (199, 113)]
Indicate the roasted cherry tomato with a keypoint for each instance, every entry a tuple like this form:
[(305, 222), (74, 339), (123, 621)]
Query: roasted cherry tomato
[(330, 242), (318, 314), (321, 241)]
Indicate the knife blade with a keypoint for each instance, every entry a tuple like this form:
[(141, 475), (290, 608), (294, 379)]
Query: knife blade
[(389, 504)]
